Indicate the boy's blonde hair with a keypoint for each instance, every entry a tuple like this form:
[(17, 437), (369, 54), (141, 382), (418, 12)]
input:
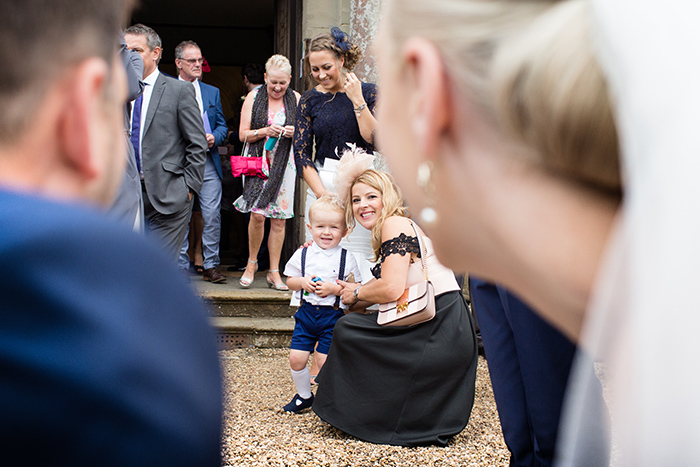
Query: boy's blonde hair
[(327, 202)]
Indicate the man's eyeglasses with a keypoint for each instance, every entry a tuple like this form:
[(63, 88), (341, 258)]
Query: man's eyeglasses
[(192, 61)]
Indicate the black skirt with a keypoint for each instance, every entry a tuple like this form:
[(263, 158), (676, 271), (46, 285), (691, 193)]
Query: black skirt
[(405, 386)]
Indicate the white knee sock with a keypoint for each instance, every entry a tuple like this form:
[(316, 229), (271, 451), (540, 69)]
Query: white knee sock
[(302, 382)]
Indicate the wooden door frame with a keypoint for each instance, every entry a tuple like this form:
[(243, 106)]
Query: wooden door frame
[(289, 42)]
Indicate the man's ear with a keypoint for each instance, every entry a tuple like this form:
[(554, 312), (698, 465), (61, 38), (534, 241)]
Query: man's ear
[(158, 53), (429, 96), (81, 114)]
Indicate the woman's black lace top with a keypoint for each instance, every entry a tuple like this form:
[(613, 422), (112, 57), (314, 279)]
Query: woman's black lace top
[(401, 245), (331, 120)]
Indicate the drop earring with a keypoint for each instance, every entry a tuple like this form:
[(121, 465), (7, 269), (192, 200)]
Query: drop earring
[(428, 215)]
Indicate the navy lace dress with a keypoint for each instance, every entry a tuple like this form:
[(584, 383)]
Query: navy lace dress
[(330, 120)]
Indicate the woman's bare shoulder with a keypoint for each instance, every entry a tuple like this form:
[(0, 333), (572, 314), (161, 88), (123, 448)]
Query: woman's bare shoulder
[(396, 225)]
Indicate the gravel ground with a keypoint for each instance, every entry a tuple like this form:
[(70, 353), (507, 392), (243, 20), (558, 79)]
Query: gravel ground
[(257, 383)]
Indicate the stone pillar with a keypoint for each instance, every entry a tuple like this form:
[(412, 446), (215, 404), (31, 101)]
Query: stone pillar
[(364, 19)]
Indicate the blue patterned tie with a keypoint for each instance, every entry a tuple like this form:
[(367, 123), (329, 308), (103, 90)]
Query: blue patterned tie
[(136, 130)]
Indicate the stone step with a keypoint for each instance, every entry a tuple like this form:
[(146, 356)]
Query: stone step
[(230, 299), (235, 332), (254, 317)]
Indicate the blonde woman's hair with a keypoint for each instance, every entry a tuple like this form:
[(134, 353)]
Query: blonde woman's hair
[(327, 202), (529, 66), (279, 62), (327, 42), (392, 199)]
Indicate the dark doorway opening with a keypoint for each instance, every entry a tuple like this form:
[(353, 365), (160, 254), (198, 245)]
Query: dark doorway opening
[(230, 35)]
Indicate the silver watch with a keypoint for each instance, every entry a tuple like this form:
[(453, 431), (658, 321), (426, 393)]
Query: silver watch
[(355, 292)]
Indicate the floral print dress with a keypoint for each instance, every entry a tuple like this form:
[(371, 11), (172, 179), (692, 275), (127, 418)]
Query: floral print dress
[(283, 206)]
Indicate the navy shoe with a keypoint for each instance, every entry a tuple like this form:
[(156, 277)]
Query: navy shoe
[(298, 404)]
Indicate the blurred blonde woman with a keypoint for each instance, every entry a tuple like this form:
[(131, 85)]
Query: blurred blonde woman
[(269, 112), (504, 99)]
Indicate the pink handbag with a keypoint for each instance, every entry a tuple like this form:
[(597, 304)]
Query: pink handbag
[(250, 166), (417, 303)]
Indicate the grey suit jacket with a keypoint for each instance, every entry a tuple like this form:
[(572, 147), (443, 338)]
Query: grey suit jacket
[(173, 145), (127, 203)]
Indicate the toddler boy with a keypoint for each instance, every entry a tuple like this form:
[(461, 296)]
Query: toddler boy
[(312, 273)]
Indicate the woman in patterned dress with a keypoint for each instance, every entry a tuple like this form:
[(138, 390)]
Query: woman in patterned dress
[(269, 112)]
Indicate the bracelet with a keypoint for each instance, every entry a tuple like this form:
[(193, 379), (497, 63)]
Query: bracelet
[(359, 109), (255, 133), (355, 293)]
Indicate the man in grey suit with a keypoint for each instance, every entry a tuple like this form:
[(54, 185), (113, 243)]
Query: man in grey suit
[(172, 147)]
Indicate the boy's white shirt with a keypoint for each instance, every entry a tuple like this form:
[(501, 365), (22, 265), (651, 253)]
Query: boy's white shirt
[(324, 264)]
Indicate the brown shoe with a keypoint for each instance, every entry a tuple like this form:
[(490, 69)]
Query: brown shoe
[(213, 275)]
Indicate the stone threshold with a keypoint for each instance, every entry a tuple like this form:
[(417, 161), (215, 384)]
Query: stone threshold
[(258, 316)]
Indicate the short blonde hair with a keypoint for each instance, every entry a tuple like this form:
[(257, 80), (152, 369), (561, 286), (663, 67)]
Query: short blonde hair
[(529, 66), (327, 202), (279, 62), (392, 201)]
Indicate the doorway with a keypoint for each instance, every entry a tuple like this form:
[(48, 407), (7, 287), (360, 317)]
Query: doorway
[(231, 34)]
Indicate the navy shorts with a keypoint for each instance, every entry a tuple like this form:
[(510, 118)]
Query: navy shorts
[(314, 324)]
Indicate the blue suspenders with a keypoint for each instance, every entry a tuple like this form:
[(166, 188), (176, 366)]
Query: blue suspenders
[(341, 270)]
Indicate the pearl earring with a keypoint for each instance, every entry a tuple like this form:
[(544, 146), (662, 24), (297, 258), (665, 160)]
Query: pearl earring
[(428, 215)]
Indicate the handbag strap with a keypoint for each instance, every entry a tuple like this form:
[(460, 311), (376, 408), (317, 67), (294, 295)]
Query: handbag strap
[(245, 148), (341, 274), (245, 144), (423, 250)]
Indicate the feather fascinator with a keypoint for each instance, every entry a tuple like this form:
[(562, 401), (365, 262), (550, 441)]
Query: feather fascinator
[(342, 41), (353, 162)]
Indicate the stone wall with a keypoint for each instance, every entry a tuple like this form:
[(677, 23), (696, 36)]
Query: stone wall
[(364, 19), (321, 15), (359, 18)]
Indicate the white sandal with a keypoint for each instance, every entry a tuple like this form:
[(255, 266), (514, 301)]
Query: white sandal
[(245, 282), (272, 285)]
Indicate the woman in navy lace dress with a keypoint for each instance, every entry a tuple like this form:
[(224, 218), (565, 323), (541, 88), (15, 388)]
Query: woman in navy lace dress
[(337, 111), (399, 385)]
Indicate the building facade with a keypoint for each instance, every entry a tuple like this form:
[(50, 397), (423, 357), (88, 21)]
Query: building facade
[(234, 33)]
